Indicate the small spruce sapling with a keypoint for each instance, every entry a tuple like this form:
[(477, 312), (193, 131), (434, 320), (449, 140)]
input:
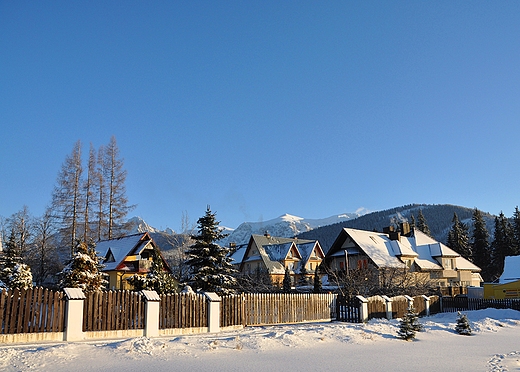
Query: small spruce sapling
[(463, 327), (409, 325)]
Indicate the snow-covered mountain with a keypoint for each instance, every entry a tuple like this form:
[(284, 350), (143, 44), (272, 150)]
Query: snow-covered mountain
[(138, 225), (285, 226)]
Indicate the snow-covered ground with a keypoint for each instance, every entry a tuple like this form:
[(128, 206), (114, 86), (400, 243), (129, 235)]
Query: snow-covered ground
[(494, 346)]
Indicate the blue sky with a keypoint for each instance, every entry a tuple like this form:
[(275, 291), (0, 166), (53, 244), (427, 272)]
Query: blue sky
[(267, 107)]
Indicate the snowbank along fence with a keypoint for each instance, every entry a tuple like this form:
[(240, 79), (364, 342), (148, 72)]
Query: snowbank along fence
[(40, 314)]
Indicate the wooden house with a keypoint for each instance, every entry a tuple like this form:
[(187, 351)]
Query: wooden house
[(408, 249), (275, 254), (129, 255)]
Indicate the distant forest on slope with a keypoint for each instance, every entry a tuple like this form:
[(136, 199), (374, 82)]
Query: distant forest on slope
[(438, 217)]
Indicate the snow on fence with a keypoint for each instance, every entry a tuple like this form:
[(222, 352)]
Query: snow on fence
[(276, 308), (31, 311)]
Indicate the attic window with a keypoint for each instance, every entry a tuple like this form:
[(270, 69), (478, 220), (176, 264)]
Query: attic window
[(110, 256)]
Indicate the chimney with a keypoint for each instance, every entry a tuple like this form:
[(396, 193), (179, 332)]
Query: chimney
[(267, 235), (395, 235), (388, 230), (405, 229)]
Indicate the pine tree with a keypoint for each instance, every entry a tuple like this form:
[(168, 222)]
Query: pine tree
[(480, 245), (83, 270), (422, 225), (317, 281), (502, 245), (409, 325), (210, 266), (463, 327), (287, 281), (458, 238), (14, 273)]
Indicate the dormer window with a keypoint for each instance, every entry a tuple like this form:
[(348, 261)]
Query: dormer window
[(110, 256)]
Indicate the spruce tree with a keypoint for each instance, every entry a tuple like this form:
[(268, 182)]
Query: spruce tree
[(480, 245), (458, 238), (516, 231), (422, 225), (14, 273), (317, 281), (83, 270), (210, 265), (303, 280), (463, 327), (502, 245), (157, 279), (409, 325), (287, 281)]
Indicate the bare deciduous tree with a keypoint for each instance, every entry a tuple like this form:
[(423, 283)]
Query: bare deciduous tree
[(67, 196)]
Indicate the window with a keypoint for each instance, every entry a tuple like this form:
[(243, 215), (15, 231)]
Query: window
[(362, 264), (342, 265)]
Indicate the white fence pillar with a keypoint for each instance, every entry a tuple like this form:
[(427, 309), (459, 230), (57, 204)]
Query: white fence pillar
[(363, 308), (74, 314), (410, 301), (388, 306), (151, 313), (213, 312), (426, 305)]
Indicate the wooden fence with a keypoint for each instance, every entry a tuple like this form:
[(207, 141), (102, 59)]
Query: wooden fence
[(31, 311), (453, 304), (113, 311), (178, 310), (275, 308)]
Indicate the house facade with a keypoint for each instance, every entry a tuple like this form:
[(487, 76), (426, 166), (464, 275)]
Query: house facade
[(127, 256), (407, 249), (508, 285), (275, 254)]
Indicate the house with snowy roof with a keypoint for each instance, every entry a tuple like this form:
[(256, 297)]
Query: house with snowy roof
[(407, 249), (275, 254), (129, 255), (508, 285)]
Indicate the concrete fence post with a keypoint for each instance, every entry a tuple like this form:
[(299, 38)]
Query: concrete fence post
[(388, 306), (363, 308), (426, 305), (74, 314), (151, 313), (213, 312), (410, 301)]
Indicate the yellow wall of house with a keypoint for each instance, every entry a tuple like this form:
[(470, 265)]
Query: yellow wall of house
[(117, 280), (502, 291)]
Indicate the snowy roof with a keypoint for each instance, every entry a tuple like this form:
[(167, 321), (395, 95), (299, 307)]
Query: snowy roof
[(377, 246), (306, 250), (238, 256), (121, 247), (272, 250), (511, 270), (385, 252), (278, 252)]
